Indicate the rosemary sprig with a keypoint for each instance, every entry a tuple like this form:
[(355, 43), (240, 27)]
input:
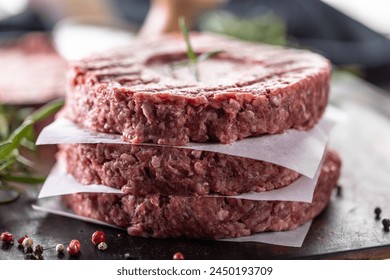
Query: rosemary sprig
[(24, 179), (193, 58), (13, 166), (24, 131)]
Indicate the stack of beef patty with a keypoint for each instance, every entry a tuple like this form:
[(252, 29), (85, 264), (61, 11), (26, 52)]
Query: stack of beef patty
[(147, 93)]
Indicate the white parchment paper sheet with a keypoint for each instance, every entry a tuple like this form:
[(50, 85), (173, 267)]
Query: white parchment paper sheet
[(300, 151), (293, 238), (60, 183)]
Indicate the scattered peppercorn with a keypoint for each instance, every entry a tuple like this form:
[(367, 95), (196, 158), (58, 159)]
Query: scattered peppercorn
[(377, 212), (102, 246), (98, 237), (30, 257), (178, 256), (74, 247), (386, 224), (60, 248), (39, 257), (128, 257), (72, 251), (75, 243), (338, 190), (27, 250), (27, 242), (21, 239), (6, 237), (38, 249)]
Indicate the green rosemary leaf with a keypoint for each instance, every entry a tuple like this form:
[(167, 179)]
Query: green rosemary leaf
[(29, 135), (25, 129), (23, 179), (266, 28), (184, 30), (24, 161), (7, 163), (46, 110), (21, 132), (28, 144), (4, 126), (6, 148), (205, 56)]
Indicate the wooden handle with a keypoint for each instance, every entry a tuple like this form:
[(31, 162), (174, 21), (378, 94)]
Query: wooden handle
[(164, 14)]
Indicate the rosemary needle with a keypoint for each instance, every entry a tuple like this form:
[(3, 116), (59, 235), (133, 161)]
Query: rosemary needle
[(193, 58)]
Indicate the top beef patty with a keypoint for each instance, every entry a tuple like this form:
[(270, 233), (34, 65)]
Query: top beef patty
[(144, 92)]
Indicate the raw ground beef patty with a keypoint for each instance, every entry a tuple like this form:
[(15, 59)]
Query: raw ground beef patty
[(140, 170), (144, 92), (31, 71), (205, 217)]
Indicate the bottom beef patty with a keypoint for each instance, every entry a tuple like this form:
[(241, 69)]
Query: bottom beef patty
[(205, 217)]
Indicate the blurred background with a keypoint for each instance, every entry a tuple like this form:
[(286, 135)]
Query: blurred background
[(354, 35)]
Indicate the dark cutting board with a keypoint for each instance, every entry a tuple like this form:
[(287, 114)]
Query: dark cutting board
[(346, 229)]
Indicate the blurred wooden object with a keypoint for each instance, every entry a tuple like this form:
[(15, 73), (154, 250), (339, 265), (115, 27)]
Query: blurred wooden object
[(56, 10), (164, 14)]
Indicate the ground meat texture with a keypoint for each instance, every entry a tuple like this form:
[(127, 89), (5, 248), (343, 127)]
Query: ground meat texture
[(205, 217), (247, 90), (140, 170)]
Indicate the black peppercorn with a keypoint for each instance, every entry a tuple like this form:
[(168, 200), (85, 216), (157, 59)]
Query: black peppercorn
[(30, 257), (38, 249), (28, 250), (378, 212), (386, 224), (338, 190), (128, 257)]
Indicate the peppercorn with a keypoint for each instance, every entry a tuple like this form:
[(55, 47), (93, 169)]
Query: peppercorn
[(386, 224), (72, 250), (30, 257), (178, 256), (21, 239), (60, 248), (377, 212), (102, 246), (75, 243), (27, 242), (38, 249), (27, 250), (338, 190), (128, 257), (6, 237), (98, 237)]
